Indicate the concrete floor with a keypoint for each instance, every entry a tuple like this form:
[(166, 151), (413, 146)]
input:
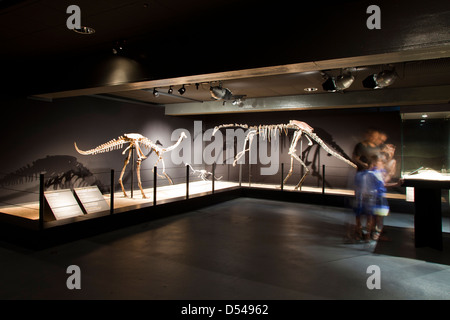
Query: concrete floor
[(241, 249)]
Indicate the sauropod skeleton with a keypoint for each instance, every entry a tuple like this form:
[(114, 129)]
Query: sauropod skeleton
[(134, 141), (266, 131)]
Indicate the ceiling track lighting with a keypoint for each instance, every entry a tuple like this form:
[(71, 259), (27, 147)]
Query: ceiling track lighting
[(380, 80), (339, 83), (155, 92), (160, 93), (220, 93), (344, 81), (182, 90), (170, 91)]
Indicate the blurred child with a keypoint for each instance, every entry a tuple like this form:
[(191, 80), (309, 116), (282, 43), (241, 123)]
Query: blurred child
[(380, 208), (370, 200)]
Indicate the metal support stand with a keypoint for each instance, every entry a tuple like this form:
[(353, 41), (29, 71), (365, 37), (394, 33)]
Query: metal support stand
[(155, 176), (249, 174), (111, 204), (41, 201), (282, 174), (187, 181), (323, 179), (240, 174), (132, 170), (213, 175)]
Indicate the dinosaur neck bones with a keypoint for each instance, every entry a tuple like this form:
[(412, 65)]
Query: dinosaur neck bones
[(134, 141)]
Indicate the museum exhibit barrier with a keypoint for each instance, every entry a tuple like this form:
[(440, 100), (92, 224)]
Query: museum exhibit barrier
[(180, 182), (102, 203)]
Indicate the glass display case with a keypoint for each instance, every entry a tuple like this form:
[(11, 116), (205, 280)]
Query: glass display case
[(425, 149), (425, 142)]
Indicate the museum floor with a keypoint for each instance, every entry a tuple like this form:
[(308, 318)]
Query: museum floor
[(241, 249)]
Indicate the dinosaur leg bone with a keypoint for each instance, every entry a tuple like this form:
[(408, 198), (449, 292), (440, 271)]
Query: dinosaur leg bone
[(165, 175), (249, 138), (292, 153), (306, 170), (139, 152), (164, 171), (127, 160), (138, 174)]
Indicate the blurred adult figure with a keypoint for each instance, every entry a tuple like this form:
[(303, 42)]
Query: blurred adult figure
[(365, 149)]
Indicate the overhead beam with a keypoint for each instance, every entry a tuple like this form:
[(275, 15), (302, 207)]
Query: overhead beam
[(366, 98), (385, 58)]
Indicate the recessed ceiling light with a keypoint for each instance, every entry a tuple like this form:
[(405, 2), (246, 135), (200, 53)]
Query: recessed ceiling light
[(84, 30), (310, 89)]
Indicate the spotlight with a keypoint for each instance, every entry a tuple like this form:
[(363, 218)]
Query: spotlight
[(339, 83), (182, 90), (238, 102), (170, 90), (386, 78), (381, 80), (155, 92), (220, 93), (344, 81)]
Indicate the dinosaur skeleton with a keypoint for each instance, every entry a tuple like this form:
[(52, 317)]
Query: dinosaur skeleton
[(134, 140), (203, 174), (266, 131)]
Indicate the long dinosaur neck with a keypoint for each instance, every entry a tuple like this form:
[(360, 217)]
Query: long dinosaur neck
[(176, 144)]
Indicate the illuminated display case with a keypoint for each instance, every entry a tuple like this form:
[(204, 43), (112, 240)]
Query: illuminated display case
[(425, 153), (425, 143)]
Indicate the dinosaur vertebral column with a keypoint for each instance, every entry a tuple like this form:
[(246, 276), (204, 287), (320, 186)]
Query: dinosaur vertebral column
[(134, 140), (266, 131)]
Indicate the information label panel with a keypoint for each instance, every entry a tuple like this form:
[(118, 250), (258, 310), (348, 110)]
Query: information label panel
[(63, 204), (91, 199)]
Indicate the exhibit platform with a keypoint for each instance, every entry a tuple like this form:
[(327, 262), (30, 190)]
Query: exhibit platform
[(21, 224)]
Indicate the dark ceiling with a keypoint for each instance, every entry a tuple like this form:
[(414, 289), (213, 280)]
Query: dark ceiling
[(254, 48)]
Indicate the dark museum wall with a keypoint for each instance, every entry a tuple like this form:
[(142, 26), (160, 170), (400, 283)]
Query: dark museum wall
[(39, 136)]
